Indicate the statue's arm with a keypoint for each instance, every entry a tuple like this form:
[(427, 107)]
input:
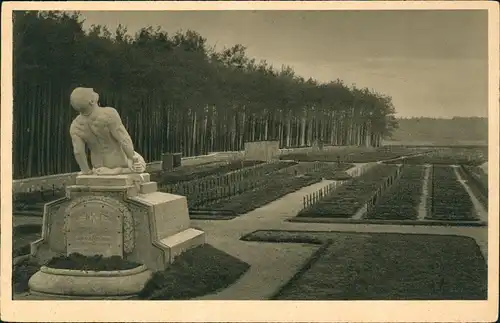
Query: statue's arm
[(79, 149), (119, 132)]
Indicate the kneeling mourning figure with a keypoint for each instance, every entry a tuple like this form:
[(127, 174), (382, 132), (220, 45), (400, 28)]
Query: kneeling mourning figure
[(112, 210)]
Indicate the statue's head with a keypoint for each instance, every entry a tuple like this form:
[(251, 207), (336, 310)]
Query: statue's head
[(84, 99)]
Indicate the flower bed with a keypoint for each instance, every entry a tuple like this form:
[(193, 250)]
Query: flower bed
[(450, 200), (401, 201), (350, 197)]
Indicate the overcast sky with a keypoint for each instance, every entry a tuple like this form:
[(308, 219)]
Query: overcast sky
[(433, 63)]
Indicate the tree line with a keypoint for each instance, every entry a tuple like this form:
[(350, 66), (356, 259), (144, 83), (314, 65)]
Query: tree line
[(174, 93)]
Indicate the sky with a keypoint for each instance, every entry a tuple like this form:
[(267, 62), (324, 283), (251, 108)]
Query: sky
[(432, 63)]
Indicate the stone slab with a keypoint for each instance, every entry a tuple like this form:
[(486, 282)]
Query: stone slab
[(94, 226), (149, 187), (182, 241), (170, 212)]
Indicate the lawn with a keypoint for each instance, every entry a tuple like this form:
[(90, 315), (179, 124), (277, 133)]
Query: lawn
[(384, 266), (402, 200)]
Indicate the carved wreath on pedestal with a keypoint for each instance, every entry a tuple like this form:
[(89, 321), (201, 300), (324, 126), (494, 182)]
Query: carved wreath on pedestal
[(117, 206)]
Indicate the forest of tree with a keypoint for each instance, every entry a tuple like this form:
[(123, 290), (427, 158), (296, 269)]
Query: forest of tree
[(174, 93), (458, 130)]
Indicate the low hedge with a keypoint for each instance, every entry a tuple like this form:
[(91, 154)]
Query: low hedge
[(21, 273)]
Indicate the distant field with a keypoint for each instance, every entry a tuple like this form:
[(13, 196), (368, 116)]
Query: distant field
[(441, 132), (461, 143)]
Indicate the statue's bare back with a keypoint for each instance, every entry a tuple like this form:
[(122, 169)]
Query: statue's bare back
[(102, 131)]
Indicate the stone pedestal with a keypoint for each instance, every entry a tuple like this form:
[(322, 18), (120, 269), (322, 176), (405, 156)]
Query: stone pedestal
[(120, 215), (171, 161), (262, 150)]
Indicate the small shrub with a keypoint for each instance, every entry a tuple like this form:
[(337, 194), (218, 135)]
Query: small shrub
[(21, 273)]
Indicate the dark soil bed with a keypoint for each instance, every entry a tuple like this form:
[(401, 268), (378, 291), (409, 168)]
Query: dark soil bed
[(197, 272), (385, 266), (77, 261)]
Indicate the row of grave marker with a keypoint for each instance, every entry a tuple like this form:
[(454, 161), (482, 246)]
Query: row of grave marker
[(317, 196)]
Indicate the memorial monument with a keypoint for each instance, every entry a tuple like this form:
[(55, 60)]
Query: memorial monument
[(112, 210)]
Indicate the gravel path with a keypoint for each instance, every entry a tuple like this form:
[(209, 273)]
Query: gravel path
[(422, 208), (481, 212)]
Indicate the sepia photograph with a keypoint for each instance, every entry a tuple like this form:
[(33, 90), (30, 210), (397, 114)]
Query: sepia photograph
[(329, 153)]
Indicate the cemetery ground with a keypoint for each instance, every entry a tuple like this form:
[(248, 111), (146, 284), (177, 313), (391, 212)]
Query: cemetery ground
[(348, 224)]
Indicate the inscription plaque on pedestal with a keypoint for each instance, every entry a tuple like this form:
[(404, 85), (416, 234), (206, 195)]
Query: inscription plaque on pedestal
[(94, 226)]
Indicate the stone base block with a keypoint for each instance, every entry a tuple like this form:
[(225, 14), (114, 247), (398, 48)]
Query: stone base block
[(81, 284), (182, 241), (112, 180)]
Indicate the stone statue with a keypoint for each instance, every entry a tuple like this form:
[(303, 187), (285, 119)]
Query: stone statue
[(102, 131)]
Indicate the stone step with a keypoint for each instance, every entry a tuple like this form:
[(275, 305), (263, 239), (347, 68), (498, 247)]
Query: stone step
[(183, 241)]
